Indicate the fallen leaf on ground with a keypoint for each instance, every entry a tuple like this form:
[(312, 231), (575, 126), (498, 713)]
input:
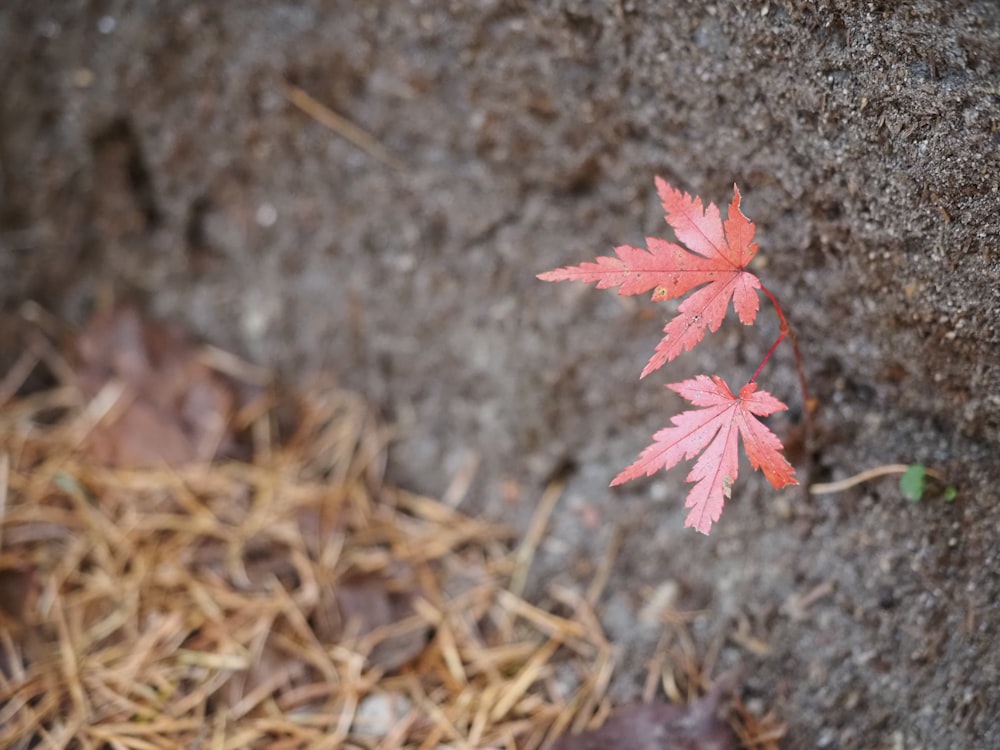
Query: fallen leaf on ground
[(172, 408), (658, 726), (363, 604)]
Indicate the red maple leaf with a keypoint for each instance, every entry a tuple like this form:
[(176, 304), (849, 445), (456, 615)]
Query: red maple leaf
[(718, 258), (713, 429)]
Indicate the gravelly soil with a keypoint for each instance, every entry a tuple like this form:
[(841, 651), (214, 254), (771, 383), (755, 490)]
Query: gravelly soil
[(151, 148)]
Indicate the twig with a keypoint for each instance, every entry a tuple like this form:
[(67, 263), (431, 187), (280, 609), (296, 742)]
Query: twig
[(4, 479), (828, 488), (341, 126), (539, 522)]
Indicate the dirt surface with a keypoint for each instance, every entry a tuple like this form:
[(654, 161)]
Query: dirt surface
[(151, 149)]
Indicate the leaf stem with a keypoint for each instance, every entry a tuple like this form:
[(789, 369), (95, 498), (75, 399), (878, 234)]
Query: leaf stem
[(768, 356), (786, 331)]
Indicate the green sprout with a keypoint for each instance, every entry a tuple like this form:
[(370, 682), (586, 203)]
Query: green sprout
[(913, 484)]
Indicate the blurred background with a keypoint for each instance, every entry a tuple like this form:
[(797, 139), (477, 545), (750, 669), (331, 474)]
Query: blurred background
[(370, 188)]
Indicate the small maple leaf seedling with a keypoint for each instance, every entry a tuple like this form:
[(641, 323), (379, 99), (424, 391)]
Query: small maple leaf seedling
[(715, 265)]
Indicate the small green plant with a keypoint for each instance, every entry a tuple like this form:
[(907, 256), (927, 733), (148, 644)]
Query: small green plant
[(913, 484)]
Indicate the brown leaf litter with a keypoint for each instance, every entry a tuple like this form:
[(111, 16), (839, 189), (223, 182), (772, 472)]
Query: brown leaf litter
[(173, 575)]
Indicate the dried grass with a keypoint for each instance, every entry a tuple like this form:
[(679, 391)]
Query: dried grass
[(193, 607), (290, 601)]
